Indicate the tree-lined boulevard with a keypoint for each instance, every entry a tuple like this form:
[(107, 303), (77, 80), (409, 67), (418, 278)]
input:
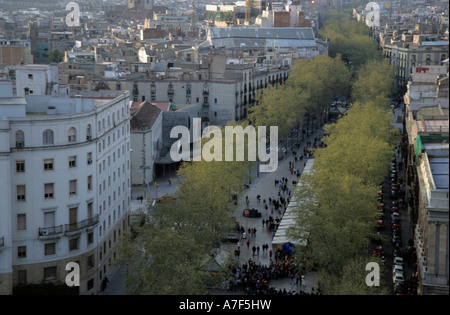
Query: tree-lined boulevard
[(166, 252)]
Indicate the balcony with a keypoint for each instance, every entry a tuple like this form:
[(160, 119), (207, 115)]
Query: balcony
[(78, 227), (50, 232)]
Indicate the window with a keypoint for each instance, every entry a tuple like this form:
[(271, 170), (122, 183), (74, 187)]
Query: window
[(88, 133), (20, 192), (90, 262), (73, 214), (89, 158), (49, 219), (73, 187), (30, 76), (50, 273), (48, 164), (47, 137), (72, 135), (21, 252), (21, 222), (72, 161), (89, 182), (48, 190), (49, 249), (20, 139), (90, 238), (73, 244), (20, 166)]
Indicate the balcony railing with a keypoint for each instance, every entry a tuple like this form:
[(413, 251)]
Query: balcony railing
[(78, 226), (51, 231)]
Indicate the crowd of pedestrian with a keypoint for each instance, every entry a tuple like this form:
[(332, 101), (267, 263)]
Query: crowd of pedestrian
[(254, 278)]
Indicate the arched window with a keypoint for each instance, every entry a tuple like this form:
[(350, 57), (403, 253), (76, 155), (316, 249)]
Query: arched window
[(20, 139), (47, 137), (72, 135)]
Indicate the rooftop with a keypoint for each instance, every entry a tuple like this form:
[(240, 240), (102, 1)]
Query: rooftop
[(440, 171)]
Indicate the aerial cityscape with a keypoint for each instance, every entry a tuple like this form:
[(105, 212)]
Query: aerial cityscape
[(224, 148)]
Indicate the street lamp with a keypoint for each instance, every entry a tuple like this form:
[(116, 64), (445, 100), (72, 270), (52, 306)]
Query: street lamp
[(144, 179)]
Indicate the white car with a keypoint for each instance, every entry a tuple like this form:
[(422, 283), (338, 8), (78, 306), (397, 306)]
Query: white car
[(398, 277), (397, 268), (398, 261)]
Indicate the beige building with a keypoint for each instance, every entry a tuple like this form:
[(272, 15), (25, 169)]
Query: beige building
[(427, 177), (146, 142)]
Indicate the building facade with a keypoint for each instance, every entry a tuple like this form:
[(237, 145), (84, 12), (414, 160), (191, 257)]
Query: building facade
[(427, 175), (67, 189)]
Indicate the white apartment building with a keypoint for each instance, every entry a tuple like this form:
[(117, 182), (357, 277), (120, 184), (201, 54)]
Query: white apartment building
[(30, 78), (65, 187)]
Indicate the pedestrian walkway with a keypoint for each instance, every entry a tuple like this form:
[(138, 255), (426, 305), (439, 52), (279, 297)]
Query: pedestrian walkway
[(263, 185)]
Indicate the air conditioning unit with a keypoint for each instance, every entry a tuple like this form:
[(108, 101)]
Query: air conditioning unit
[(45, 232), (89, 161)]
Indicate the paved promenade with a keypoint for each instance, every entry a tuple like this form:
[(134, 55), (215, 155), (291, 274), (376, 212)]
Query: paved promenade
[(264, 185)]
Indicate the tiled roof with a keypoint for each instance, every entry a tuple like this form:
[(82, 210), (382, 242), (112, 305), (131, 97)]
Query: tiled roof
[(144, 116)]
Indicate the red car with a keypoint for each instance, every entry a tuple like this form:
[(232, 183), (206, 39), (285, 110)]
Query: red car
[(379, 225)]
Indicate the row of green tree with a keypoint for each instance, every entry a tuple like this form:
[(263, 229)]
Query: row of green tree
[(336, 207)]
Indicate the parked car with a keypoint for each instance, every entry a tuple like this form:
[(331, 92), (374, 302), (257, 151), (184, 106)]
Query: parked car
[(397, 268), (395, 216), (394, 194), (398, 260), (378, 251), (398, 288), (398, 277), (395, 226), (379, 225)]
